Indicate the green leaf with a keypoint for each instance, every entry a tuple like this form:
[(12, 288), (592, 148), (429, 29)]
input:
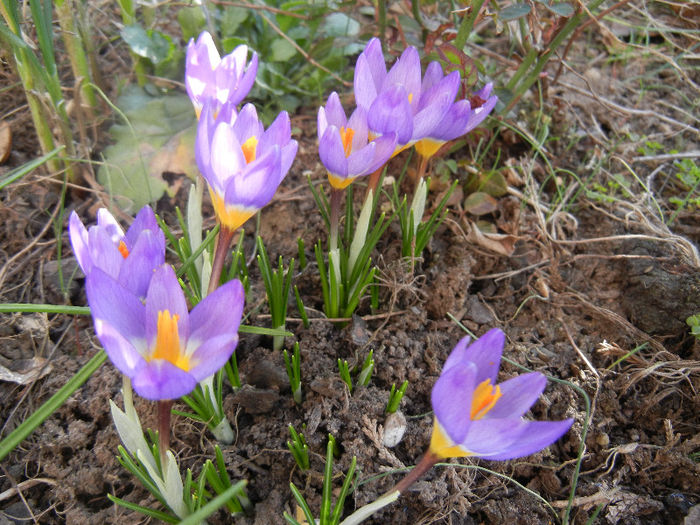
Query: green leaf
[(231, 18), (158, 137), (340, 24), (147, 44), (480, 203), (562, 9), (281, 50), (192, 21), (513, 12)]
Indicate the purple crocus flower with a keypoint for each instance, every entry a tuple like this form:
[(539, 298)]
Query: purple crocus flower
[(461, 117), (476, 417), (164, 349), (344, 145), (398, 100), (242, 162), (209, 76), (129, 258)]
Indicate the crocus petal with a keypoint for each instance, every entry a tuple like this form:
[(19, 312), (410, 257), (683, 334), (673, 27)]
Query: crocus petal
[(79, 242), (406, 72), (219, 313), (479, 114), (246, 125), (145, 220), (228, 159), (485, 353), (212, 355), (454, 123), (535, 436), (360, 161), (287, 156), (334, 111), (255, 187), (115, 305), (492, 436), (277, 134), (433, 75), (104, 252), (391, 112), (160, 379), (165, 294), (370, 72), (457, 356), (358, 124), (107, 223), (517, 395), (384, 147), (331, 152), (451, 398), (146, 255), (120, 351)]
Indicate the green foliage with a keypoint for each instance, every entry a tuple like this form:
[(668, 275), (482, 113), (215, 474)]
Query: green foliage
[(395, 397), (293, 366), (694, 323), (301, 47), (156, 135), (299, 449), (329, 514), (277, 285)]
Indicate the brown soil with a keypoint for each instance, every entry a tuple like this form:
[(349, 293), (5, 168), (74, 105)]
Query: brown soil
[(571, 308)]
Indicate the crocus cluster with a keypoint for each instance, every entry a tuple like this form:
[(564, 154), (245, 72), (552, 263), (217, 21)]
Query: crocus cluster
[(165, 349), (474, 416), (397, 106), (128, 258), (242, 162), (139, 309), (210, 77)]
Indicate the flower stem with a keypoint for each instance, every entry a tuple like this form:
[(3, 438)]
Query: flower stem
[(336, 201), (426, 463), (164, 407), (373, 180), (222, 246)]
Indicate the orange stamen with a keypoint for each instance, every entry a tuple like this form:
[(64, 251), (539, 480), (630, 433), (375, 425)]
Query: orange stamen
[(484, 398), (346, 135), (249, 147), (123, 249), (168, 341)]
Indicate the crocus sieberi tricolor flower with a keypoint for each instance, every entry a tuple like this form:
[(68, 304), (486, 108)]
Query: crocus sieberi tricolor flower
[(399, 100), (164, 349), (460, 118), (474, 416), (222, 79), (129, 257), (242, 162), (344, 145)]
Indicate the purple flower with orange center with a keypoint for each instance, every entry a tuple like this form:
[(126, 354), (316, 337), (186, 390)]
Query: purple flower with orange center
[(164, 349), (344, 145), (209, 76), (461, 117), (399, 100), (242, 162), (129, 257), (474, 416)]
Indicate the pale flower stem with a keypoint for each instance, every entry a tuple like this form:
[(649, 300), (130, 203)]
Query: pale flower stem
[(164, 407), (373, 180), (222, 245), (426, 463), (336, 201), (128, 395)]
